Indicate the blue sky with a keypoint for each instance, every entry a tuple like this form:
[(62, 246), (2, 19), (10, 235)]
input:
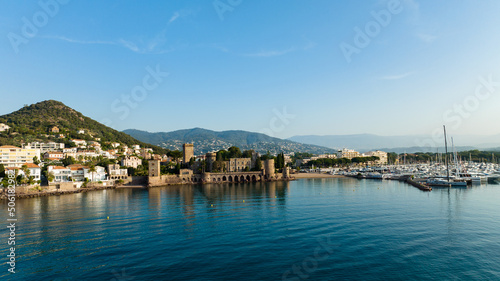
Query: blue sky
[(265, 66)]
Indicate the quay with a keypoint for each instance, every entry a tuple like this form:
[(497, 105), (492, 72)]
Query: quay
[(418, 185), (406, 179)]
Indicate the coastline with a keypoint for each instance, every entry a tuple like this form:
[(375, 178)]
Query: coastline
[(145, 186), (316, 176)]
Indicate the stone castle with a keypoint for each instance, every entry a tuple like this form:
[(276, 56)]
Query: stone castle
[(235, 170)]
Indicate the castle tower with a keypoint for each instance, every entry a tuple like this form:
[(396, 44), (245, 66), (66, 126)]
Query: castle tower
[(210, 157), (269, 168), (188, 152), (154, 168), (286, 172)]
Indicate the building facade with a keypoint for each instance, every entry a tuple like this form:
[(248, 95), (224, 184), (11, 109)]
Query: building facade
[(44, 147), (380, 154), (239, 164), (347, 153), (131, 161), (11, 156)]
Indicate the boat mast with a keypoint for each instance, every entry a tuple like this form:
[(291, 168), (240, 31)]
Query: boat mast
[(446, 155)]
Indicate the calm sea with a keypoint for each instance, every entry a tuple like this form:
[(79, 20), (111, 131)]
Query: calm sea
[(317, 229)]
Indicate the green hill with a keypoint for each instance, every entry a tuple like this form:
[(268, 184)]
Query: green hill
[(32, 123)]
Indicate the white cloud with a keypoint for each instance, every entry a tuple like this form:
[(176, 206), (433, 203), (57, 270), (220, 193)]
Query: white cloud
[(156, 45), (174, 17)]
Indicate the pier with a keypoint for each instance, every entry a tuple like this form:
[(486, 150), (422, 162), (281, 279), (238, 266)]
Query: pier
[(419, 185)]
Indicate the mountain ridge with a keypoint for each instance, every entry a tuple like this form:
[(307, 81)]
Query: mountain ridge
[(205, 140), (412, 143)]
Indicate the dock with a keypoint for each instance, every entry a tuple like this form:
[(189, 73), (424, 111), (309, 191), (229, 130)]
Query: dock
[(418, 185)]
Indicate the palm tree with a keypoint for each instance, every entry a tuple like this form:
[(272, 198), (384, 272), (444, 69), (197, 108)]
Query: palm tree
[(50, 177), (92, 170), (26, 172)]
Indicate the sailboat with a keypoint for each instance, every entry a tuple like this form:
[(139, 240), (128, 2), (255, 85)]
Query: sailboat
[(447, 182)]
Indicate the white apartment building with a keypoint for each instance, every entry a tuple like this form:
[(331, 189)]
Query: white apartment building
[(347, 153), (11, 156), (61, 174), (44, 147)]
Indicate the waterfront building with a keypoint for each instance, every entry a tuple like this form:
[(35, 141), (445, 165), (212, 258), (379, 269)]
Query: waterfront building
[(61, 174), (35, 171), (98, 175), (239, 164), (77, 172), (12, 156), (380, 154), (115, 173), (347, 153)]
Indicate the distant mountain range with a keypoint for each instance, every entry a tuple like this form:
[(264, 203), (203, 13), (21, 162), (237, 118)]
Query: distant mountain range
[(399, 144), (206, 141)]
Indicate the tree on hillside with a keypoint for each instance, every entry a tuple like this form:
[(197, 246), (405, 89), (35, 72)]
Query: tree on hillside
[(234, 152), (247, 153), (175, 154)]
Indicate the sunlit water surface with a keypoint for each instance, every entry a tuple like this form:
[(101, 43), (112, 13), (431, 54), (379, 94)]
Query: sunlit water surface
[(317, 229)]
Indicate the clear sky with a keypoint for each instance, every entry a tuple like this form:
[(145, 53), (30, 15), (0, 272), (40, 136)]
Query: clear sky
[(283, 67)]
